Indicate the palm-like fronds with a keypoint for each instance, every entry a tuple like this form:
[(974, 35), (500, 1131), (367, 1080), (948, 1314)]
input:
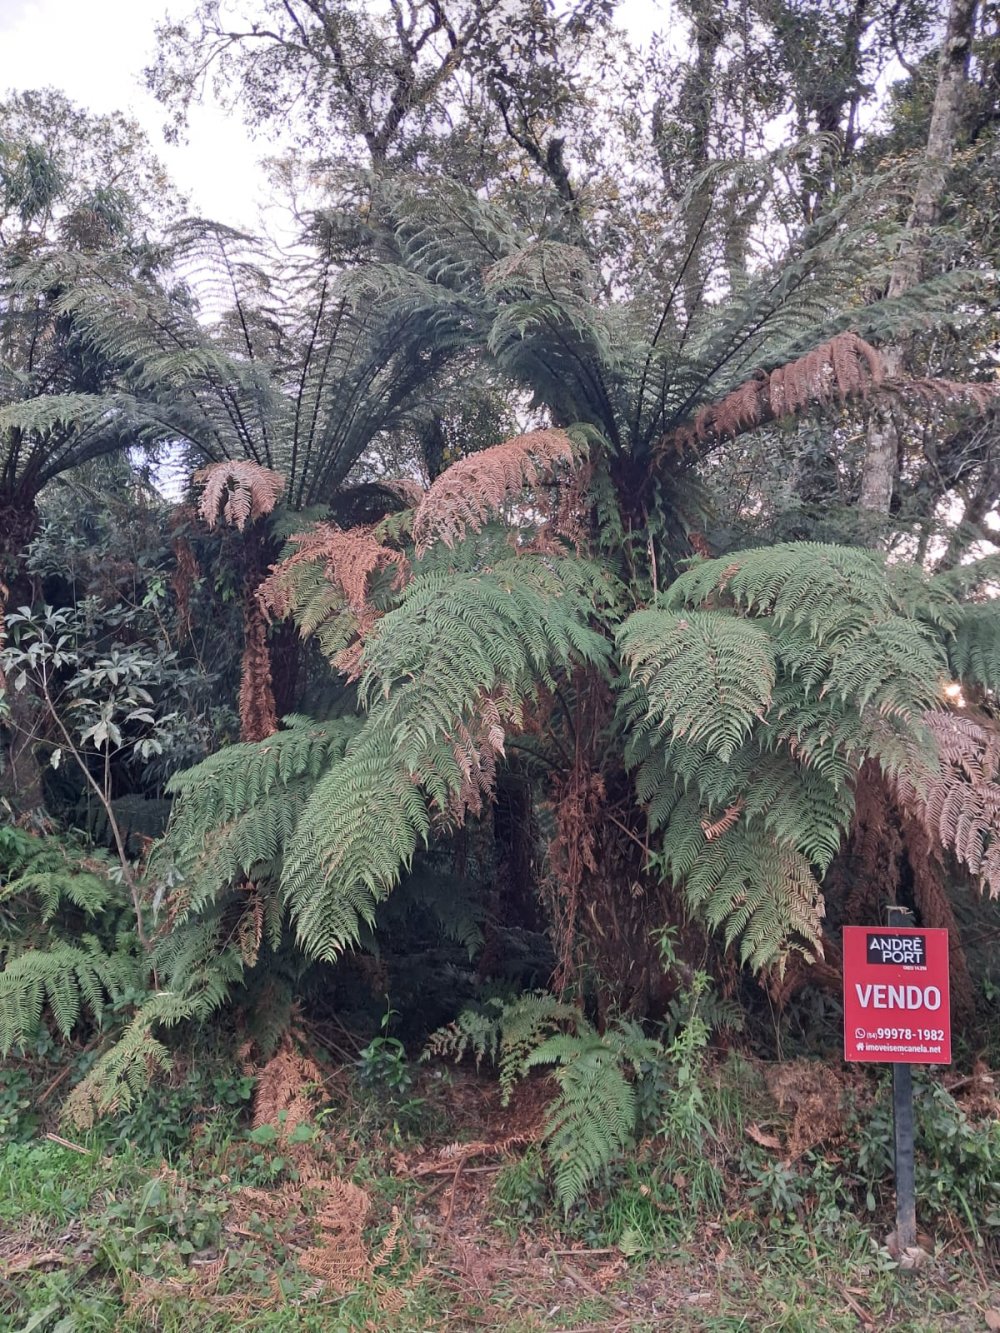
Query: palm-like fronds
[(297, 372)]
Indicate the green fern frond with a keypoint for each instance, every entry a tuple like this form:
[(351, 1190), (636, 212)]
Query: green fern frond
[(765, 896), (121, 1076), (974, 648), (746, 741), (593, 1120), (198, 966), (62, 977), (357, 832), (827, 589), (454, 641), (237, 810), (705, 676), (507, 1033), (474, 1031)]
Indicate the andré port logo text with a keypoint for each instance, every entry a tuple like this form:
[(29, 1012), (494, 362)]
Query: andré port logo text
[(900, 950)]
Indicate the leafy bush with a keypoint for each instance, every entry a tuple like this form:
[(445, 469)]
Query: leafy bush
[(957, 1160), (957, 1169), (17, 1106)]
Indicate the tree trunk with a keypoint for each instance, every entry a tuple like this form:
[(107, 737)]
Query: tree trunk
[(20, 774), (695, 106), (880, 465)]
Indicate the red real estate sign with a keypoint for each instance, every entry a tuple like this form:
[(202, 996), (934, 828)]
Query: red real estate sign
[(896, 1007)]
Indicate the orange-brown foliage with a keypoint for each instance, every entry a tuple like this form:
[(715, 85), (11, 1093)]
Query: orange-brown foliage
[(349, 557), (845, 367), (239, 491), (471, 491), (286, 1090), (960, 807), (713, 829)]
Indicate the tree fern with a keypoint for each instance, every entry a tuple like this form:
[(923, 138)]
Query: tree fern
[(454, 646), (829, 658)]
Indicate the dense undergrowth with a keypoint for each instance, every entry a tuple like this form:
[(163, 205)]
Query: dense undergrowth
[(388, 1193), (530, 1164)]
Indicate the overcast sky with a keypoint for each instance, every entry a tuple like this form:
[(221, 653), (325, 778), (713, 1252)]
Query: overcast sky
[(94, 51)]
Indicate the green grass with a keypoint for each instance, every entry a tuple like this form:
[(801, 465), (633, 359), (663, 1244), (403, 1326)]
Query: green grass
[(103, 1228), (716, 1235)]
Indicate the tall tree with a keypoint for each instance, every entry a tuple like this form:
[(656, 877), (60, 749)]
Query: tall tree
[(74, 185), (379, 86), (947, 128)]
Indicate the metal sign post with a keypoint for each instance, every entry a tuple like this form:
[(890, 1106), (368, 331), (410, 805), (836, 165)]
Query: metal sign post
[(896, 1011), (902, 1128)]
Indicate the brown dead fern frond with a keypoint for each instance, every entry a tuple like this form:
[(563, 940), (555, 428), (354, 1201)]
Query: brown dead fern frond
[(348, 556), (341, 1256), (713, 829), (410, 491), (563, 514), (960, 806), (286, 1090), (476, 747), (347, 559), (334, 1213), (845, 367), (452, 1154), (476, 758), (464, 497), (238, 491), (207, 1289), (250, 928), (942, 393), (813, 1094), (933, 903)]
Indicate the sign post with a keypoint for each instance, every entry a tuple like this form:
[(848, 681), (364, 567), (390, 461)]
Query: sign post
[(896, 1011)]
